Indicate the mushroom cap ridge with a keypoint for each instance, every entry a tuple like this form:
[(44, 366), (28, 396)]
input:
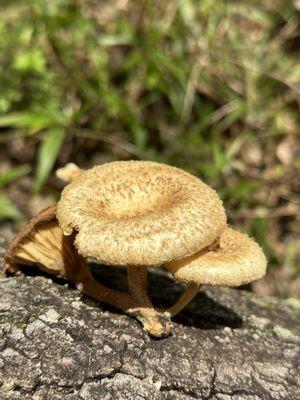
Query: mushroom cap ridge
[(139, 213), (233, 260)]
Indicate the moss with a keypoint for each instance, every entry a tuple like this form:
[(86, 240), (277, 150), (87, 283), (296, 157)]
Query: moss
[(5, 319), (260, 325), (283, 332), (293, 303), (264, 302), (7, 281), (22, 323)]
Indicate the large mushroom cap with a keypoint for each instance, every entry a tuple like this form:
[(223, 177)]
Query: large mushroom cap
[(234, 259), (140, 212)]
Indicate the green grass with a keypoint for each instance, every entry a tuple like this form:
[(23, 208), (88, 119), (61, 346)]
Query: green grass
[(210, 86)]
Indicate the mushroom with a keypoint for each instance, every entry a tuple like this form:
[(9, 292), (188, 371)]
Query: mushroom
[(234, 259), (69, 172), (140, 214), (41, 244)]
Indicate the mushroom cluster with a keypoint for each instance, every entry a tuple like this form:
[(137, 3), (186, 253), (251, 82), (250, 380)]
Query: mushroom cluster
[(137, 214)]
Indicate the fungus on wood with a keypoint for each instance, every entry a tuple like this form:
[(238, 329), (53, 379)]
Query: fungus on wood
[(142, 214), (41, 244), (234, 259)]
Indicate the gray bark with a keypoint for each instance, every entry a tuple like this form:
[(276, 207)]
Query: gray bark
[(227, 344)]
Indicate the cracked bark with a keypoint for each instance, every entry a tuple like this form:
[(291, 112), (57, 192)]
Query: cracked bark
[(227, 344)]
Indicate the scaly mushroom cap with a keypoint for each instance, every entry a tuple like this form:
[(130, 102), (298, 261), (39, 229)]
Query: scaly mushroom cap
[(41, 243), (140, 213), (233, 260)]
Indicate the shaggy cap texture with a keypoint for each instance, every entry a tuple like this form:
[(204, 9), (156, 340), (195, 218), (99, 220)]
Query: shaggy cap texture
[(41, 242), (234, 259), (140, 213)]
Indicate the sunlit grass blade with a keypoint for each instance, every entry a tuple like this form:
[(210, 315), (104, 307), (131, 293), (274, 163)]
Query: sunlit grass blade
[(14, 173), (33, 121), (8, 210), (47, 155)]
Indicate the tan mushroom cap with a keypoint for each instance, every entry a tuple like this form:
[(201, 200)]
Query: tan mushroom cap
[(140, 213), (41, 242), (234, 259)]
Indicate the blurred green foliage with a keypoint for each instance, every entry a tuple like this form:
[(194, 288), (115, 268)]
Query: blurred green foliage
[(211, 86), (7, 208)]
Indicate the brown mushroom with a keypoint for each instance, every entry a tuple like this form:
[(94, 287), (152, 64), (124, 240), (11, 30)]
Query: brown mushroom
[(41, 244), (140, 214)]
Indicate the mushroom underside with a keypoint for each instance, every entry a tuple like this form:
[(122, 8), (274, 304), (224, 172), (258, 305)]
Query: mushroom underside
[(234, 259)]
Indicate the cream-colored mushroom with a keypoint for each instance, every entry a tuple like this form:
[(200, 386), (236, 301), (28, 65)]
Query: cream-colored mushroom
[(140, 214), (234, 259)]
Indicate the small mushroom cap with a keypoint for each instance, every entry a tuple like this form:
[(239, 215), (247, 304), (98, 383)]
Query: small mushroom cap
[(69, 172), (41, 243), (233, 260), (140, 213)]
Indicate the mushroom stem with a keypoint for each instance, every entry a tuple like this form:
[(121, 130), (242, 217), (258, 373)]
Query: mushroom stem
[(155, 323), (138, 285), (92, 288), (183, 300), (88, 285)]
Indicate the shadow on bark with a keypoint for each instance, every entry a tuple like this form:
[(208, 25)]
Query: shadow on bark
[(202, 313)]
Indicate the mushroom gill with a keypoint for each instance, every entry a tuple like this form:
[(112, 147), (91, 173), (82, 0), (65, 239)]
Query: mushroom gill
[(41, 243)]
